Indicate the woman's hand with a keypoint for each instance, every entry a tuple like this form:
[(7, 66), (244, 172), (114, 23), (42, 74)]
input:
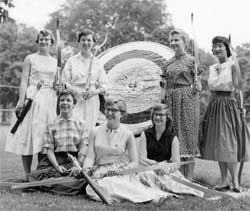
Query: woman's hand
[(197, 87), (111, 173), (146, 161), (58, 87), (91, 92), (19, 108), (61, 169), (74, 171)]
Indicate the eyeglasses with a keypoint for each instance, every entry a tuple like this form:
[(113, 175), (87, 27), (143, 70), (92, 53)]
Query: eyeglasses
[(159, 114), (112, 110)]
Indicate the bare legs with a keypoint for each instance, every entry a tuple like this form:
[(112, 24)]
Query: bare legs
[(232, 168), (27, 162), (187, 170)]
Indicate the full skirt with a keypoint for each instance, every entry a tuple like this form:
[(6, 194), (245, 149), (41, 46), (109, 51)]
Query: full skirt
[(225, 136), (28, 139)]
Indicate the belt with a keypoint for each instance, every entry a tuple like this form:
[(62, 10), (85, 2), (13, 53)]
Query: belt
[(176, 86), (222, 93)]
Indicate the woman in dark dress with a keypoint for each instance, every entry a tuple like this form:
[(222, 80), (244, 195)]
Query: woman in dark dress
[(158, 144)]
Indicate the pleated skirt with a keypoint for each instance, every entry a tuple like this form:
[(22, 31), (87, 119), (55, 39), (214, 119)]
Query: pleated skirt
[(225, 136)]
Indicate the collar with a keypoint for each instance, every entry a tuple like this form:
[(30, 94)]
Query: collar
[(108, 130), (183, 55), (79, 56), (152, 131), (69, 119)]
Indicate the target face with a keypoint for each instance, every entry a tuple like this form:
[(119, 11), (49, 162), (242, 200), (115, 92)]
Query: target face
[(134, 70)]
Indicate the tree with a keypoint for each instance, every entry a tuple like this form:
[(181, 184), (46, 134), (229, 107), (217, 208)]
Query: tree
[(243, 55), (16, 42), (126, 20), (4, 14)]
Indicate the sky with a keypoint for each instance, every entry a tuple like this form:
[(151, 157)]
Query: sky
[(211, 17)]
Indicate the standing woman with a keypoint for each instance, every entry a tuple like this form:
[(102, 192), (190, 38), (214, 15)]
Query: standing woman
[(86, 80), (39, 68), (223, 140), (180, 94)]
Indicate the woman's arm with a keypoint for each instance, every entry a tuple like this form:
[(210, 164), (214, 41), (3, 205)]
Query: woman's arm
[(236, 74), (143, 151), (53, 161), (175, 150), (90, 158), (132, 152), (24, 82), (83, 147)]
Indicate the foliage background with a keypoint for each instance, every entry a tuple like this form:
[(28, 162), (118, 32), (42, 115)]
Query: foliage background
[(125, 20)]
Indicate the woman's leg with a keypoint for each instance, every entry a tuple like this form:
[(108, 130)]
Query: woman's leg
[(27, 162), (188, 169), (233, 169), (224, 173)]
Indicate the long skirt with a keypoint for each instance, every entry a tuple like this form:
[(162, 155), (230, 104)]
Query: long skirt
[(28, 139), (225, 136), (87, 110), (185, 109), (137, 188), (73, 188)]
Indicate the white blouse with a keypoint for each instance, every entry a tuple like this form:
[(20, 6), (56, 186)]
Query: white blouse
[(76, 73), (220, 77)]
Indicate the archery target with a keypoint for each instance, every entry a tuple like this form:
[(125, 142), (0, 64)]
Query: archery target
[(134, 70)]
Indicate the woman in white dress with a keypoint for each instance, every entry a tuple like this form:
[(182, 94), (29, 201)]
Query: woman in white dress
[(112, 148), (38, 68), (84, 76)]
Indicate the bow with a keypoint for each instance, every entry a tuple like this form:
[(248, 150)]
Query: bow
[(89, 180), (25, 109), (195, 49), (196, 96), (92, 59), (59, 55)]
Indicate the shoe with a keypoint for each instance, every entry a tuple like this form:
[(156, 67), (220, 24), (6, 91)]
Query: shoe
[(236, 190), (223, 188)]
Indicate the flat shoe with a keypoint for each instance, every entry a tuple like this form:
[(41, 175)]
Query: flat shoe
[(236, 190), (224, 188)]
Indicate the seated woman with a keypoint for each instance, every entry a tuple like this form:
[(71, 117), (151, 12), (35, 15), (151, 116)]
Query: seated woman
[(112, 148), (159, 144), (63, 135)]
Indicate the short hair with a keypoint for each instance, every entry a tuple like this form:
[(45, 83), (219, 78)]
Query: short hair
[(86, 32), (225, 41), (181, 33), (46, 32), (63, 93), (162, 107), (119, 102), (68, 92)]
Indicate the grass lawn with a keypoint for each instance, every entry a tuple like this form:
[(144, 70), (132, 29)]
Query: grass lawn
[(205, 172)]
